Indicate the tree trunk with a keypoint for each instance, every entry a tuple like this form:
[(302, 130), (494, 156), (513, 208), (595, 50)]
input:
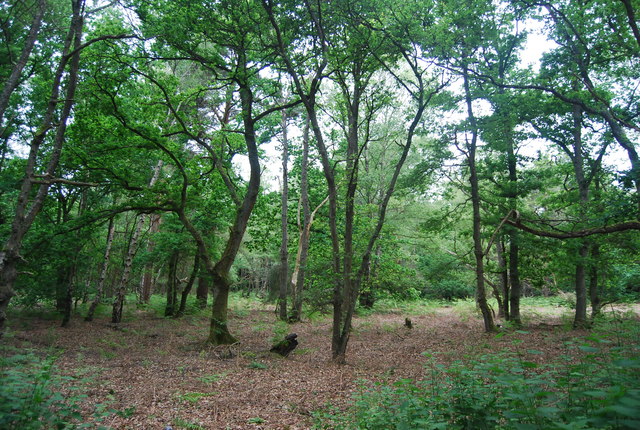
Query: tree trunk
[(121, 289), (172, 285), (307, 95), (146, 284), (304, 226), (202, 292), (593, 281), (284, 254), (219, 332), (187, 288), (481, 297), (69, 291), (103, 272), (72, 268), (503, 286), (349, 294), (25, 212), (421, 98), (514, 248), (514, 278), (580, 320)]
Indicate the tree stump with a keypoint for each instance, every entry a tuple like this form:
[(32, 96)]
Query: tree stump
[(285, 346)]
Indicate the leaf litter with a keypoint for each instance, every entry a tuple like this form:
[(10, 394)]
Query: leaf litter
[(159, 372)]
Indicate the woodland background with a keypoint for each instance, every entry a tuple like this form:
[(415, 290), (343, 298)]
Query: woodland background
[(323, 156)]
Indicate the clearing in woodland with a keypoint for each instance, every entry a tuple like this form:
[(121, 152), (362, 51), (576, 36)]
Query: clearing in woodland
[(151, 372)]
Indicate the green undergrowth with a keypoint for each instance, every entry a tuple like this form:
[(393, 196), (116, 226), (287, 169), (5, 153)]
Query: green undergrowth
[(31, 397), (391, 306), (595, 384)]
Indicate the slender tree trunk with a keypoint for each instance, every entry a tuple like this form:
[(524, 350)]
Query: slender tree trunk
[(68, 302), (349, 295), (121, 289), (299, 270), (307, 95), (514, 277), (421, 98), (103, 272), (26, 212), (172, 285), (187, 288), (73, 268), (580, 320), (284, 253), (514, 248), (146, 284), (481, 297), (593, 281), (503, 286)]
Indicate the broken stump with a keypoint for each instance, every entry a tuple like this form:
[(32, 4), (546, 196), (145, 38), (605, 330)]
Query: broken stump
[(285, 346)]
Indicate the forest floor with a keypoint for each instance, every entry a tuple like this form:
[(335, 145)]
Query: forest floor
[(158, 372)]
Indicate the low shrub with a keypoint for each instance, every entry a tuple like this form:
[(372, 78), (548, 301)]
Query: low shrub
[(30, 398), (503, 391), (449, 290)]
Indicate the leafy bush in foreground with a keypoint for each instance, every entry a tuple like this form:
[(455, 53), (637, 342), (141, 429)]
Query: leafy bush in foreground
[(28, 396), (503, 391)]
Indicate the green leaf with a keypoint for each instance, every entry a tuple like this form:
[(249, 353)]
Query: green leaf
[(627, 363), (587, 348)]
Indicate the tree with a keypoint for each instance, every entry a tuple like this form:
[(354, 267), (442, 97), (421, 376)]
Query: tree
[(235, 36), (27, 208), (284, 253)]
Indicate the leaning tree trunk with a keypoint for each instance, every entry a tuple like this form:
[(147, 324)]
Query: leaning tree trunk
[(26, 209), (218, 331), (103, 272), (481, 296), (421, 99)]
